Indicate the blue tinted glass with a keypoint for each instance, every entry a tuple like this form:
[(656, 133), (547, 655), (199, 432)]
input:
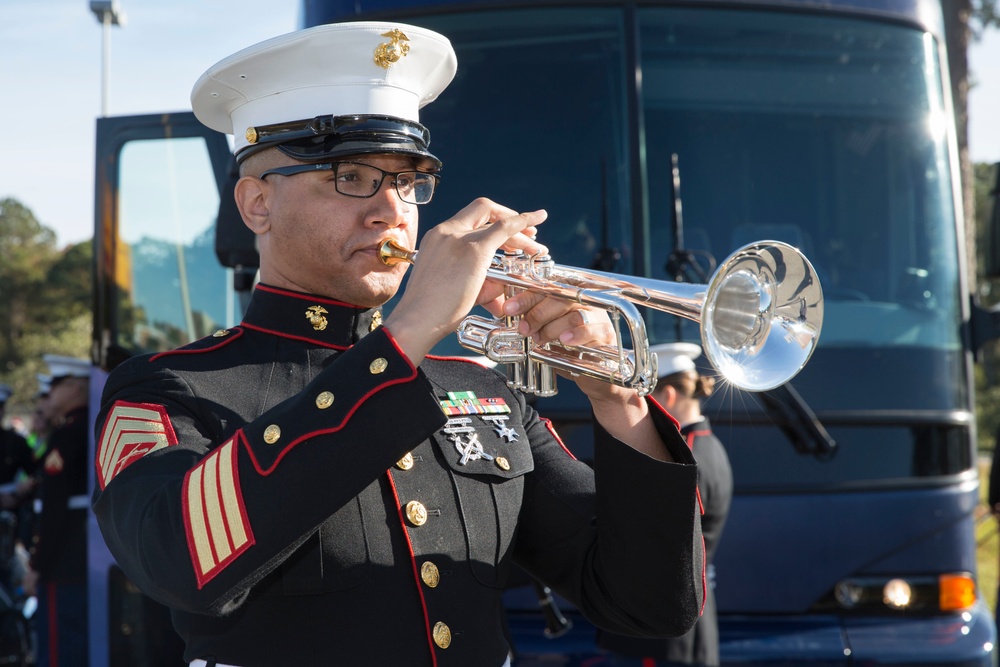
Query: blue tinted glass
[(173, 289), (822, 132)]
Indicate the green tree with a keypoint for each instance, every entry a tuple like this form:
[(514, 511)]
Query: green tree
[(45, 299), (70, 284), (988, 370), (964, 22), (27, 250)]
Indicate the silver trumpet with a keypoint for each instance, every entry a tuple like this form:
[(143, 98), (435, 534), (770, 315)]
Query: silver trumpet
[(760, 316)]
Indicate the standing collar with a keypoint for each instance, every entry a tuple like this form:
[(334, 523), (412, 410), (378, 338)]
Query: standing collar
[(700, 425), (302, 316)]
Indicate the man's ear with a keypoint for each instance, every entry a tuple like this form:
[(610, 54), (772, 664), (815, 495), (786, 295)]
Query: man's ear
[(251, 195), (667, 395)]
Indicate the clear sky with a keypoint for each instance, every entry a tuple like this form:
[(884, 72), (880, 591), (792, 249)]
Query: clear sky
[(50, 86)]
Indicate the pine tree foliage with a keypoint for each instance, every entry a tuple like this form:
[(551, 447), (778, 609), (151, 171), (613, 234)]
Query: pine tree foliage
[(45, 299)]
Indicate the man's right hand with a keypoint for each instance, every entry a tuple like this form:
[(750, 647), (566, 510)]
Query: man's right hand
[(449, 277)]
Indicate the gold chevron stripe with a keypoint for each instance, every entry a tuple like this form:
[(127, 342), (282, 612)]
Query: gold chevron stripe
[(218, 525), (130, 432)]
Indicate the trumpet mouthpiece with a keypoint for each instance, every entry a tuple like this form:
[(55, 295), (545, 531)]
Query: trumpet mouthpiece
[(392, 253)]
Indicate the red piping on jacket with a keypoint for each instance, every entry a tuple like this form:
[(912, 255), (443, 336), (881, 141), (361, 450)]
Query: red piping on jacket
[(704, 554), (304, 339), (552, 430), (416, 574), (409, 378), (236, 331), (53, 619), (306, 297)]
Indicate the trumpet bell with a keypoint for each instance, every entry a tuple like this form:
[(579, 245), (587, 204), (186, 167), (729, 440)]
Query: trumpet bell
[(762, 315)]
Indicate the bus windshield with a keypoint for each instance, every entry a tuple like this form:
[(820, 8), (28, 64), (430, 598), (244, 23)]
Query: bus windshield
[(824, 131)]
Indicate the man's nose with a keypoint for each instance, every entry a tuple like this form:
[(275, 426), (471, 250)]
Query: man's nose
[(389, 200)]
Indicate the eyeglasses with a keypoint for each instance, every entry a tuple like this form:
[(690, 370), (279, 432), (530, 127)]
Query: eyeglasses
[(354, 179)]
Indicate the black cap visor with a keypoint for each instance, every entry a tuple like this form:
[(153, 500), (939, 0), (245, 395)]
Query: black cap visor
[(323, 138)]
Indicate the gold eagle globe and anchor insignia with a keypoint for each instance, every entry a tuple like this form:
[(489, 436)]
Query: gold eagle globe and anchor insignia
[(388, 53), (315, 315)]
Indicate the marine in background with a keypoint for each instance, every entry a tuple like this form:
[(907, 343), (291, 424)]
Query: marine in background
[(57, 569)]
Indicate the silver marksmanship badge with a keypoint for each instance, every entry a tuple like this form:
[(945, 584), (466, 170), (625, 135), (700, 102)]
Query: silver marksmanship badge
[(463, 434), (500, 426)]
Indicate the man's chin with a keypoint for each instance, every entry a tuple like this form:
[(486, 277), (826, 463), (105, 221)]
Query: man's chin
[(380, 293)]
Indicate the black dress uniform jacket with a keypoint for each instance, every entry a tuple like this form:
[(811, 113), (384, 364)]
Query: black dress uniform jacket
[(59, 548), (15, 455), (293, 489), (699, 646)]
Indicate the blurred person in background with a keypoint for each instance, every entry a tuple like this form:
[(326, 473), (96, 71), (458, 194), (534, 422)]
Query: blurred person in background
[(57, 571), (41, 420), (26, 487), (17, 464)]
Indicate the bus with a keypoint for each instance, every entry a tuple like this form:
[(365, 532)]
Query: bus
[(824, 125)]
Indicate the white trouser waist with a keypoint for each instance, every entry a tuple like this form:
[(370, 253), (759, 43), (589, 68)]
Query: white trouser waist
[(74, 503)]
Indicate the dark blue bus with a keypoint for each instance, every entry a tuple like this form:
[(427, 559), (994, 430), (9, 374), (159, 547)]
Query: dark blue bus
[(826, 125)]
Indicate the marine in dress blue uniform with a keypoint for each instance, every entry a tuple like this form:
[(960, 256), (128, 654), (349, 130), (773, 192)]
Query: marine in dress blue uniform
[(298, 491), (58, 551)]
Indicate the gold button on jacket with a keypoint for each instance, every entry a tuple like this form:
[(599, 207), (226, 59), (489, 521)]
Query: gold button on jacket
[(416, 513)]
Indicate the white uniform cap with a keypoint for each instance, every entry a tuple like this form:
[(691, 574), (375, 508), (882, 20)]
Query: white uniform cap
[(370, 68), (61, 367), (5, 393), (675, 357)]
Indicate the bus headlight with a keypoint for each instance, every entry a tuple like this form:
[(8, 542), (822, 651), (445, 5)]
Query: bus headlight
[(896, 593), (925, 594)]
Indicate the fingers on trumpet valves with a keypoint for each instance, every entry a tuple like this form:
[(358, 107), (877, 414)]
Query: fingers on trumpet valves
[(583, 321), (546, 319)]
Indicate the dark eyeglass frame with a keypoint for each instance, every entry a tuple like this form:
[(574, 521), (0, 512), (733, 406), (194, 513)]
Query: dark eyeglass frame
[(334, 166)]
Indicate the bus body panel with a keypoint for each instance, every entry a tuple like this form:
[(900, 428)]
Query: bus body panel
[(912, 531)]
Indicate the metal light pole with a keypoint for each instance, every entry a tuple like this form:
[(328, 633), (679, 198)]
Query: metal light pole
[(108, 13)]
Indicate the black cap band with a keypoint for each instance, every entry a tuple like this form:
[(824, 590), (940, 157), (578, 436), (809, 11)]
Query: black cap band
[(324, 137)]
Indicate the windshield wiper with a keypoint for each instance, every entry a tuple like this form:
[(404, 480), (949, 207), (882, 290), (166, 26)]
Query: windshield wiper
[(798, 422), (784, 405), (682, 263), (607, 257)]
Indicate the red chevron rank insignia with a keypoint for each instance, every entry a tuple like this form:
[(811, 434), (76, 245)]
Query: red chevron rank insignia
[(131, 431)]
